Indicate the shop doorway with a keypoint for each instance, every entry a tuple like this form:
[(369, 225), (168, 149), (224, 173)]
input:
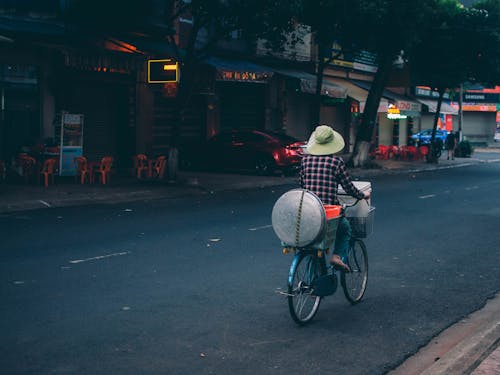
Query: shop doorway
[(107, 129), (19, 121)]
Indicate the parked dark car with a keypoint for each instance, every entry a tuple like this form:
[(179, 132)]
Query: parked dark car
[(424, 137), (257, 151)]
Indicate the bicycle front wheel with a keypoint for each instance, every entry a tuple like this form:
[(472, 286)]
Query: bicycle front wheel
[(302, 302), (354, 282)]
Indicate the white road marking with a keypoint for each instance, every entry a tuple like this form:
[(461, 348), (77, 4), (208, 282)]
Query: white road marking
[(427, 196), (98, 257), (45, 203), (259, 228), (472, 188)]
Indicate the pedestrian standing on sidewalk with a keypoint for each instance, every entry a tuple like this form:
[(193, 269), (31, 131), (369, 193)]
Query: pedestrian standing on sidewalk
[(321, 172), (451, 145)]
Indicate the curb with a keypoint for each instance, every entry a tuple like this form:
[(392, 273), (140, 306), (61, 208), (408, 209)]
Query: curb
[(460, 348)]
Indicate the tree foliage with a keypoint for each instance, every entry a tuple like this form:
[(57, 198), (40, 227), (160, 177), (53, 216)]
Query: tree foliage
[(385, 28), (485, 65), (330, 21), (110, 15), (218, 19), (457, 48), (213, 22)]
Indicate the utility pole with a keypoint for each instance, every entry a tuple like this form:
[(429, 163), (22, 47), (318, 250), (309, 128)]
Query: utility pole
[(460, 112)]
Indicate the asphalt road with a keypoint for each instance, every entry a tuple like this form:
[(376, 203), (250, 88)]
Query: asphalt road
[(191, 286)]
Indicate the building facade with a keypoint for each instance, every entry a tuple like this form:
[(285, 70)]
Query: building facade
[(47, 68)]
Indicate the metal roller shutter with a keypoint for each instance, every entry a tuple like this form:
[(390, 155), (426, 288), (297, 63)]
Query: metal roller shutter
[(242, 105)]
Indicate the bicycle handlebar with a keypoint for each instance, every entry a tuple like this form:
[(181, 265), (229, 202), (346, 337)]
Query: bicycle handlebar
[(351, 205)]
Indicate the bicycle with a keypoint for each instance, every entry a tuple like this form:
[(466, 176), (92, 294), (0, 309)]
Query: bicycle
[(311, 277)]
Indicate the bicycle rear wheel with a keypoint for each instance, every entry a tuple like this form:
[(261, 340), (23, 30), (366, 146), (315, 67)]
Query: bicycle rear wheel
[(354, 282), (302, 302)]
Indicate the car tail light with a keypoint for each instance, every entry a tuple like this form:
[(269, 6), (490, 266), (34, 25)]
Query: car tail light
[(297, 147), (276, 156), (290, 151)]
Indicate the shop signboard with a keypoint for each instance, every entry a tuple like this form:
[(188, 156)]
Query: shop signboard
[(481, 97), (359, 60), (404, 105), (426, 92), (71, 141), (394, 113), (163, 71)]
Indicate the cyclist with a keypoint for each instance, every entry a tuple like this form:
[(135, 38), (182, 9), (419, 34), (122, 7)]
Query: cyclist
[(320, 173)]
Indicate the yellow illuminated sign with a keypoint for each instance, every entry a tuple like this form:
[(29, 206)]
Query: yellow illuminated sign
[(163, 71), (394, 113)]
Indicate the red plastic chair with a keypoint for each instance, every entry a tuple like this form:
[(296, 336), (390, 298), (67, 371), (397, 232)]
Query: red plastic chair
[(28, 166), (141, 166), (412, 152), (382, 152), (103, 170), (423, 152), (394, 152), (82, 169), (158, 168), (48, 170)]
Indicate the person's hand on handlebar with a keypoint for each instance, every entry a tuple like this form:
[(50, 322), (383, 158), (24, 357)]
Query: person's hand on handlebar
[(367, 195)]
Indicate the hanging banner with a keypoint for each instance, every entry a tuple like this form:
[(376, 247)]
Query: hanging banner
[(71, 132), (449, 122)]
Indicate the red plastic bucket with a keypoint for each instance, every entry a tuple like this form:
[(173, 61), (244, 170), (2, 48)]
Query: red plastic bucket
[(332, 211)]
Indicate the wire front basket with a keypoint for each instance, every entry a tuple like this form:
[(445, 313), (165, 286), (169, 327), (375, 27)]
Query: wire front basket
[(362, 227)]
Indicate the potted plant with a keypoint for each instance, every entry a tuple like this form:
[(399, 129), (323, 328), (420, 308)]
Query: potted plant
[(464, 149)]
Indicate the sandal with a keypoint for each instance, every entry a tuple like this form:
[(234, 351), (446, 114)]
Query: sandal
[(337, 263)]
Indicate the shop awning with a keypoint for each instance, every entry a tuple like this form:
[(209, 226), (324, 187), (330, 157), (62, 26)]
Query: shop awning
[(140, 45), (240, 71), (308, 84), (405, 104), (18, 26), (357, 93), (432, 106)]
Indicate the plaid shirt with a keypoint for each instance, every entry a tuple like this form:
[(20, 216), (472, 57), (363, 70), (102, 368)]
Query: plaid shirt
[(322, 174)]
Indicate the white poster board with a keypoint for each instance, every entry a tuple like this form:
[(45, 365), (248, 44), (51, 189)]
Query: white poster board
[(71, 143)]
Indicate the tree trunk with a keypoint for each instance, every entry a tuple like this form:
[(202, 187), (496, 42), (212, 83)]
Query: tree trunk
[(365, 130), (319, 84), (183, 96), (359, 158), (432, 146)]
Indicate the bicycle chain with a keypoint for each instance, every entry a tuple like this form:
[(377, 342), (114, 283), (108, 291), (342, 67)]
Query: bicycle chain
[(299, 216)]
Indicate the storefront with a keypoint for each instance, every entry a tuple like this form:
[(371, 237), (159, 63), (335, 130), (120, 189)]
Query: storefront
[(297, 101), (355, 106), (395, 123), (240, 96), (479, 115), (101, 87), (46, 70), (448, 115)]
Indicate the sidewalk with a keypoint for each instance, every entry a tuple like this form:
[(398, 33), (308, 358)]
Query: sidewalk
[(19, 196), (468, 347)]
